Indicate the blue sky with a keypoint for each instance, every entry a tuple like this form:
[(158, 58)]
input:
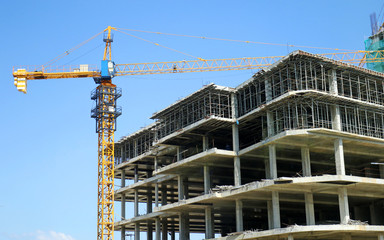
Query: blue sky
[(48, 174)]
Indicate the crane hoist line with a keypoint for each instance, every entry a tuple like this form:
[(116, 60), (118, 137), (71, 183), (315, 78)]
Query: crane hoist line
[(106, 94)]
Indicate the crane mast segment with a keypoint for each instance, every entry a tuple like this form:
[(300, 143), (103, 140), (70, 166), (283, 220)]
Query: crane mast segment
[(105, 113)]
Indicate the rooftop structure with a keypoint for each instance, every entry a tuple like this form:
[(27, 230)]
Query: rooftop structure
[(286, 155)]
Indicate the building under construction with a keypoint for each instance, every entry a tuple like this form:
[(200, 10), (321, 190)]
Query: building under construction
[(293, 153)]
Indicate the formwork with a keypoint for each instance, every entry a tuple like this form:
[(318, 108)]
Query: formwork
[(294, 152)]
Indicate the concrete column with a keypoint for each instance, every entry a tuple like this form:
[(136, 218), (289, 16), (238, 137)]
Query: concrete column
[(267, 169), (164, 195), (309, 209), (149, 201), (275, 210), (270, 215), (180, 186), (157, 228), (136, 149), (150, 230), (237, 171), (164, 229), (290, 237), (381, 168), (272, 161), (122, 178), (173, 235), (209, 223), (137, 231), (136, 174), (239, 216), (122, 233), (347, 236), (207, 179), (343, 205), (339, 157), (306, 162), (136, 203), (184, 226), (332, 82), (268, 89), (235, 143), (179, 151), (156, 194), (270, 124), (205, 143), (156, 163), (123, 197), (380, 237)]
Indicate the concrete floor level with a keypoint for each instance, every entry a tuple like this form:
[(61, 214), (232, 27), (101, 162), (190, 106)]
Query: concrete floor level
[(292, 153)]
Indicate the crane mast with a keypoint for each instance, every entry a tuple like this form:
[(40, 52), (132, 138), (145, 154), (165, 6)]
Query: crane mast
[(105, 112)]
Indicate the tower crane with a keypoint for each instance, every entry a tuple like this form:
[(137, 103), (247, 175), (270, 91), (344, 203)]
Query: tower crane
[(106, 93)]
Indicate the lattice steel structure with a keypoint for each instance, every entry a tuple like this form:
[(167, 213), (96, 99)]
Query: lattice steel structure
[(105, 113)]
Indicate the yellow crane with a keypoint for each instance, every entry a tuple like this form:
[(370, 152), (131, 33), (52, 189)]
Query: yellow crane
[(106, 94)]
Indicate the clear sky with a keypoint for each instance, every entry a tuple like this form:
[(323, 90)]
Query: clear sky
[(48, 180)]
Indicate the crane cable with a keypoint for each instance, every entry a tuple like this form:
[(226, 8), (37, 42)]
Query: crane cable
[(201, 59), (70, 50), (233, 40)]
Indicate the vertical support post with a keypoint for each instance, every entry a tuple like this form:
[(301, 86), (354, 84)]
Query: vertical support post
[(347, 236), (157, 228), (239, 216), (309, 209), (137, 231), (180, 186), (156, 163), (178, 153), (270, 214), (306, 161), (339, 157), (235, 142), (209, 222), (156, 194), (164, 228), (207, 179), (381, 169), (290, 237), (123, 204), (380, 237), (150, 230), (164, 195), (275, 209), (205, 143), (184, 226), (272, 161), (343, 205)]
